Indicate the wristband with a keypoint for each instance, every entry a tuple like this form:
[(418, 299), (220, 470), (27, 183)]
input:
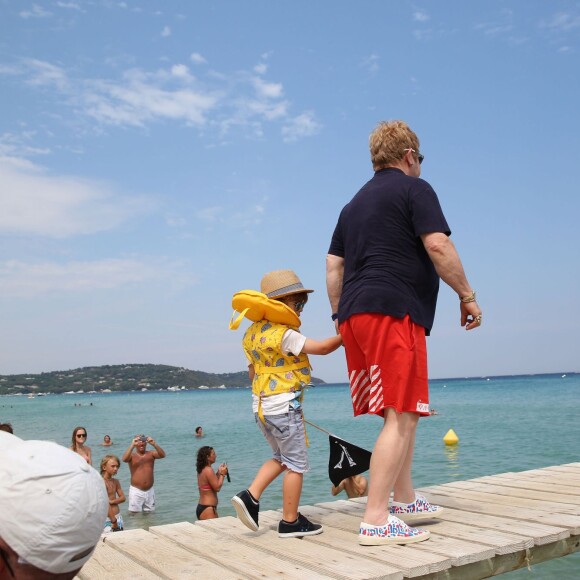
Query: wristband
[(466, 299), (334, 316)]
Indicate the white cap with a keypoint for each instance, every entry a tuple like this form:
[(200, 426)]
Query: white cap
[(53, 505)]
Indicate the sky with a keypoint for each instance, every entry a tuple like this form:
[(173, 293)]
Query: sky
[(158, 156)]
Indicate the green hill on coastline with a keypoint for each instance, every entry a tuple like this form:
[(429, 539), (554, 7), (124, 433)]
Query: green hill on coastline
[(116, 378)]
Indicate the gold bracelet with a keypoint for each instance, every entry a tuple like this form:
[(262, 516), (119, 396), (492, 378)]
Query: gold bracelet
[(470, 298)]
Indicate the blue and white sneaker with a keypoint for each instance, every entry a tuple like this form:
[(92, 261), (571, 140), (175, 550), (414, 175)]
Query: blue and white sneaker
[(420, 509), (393, 532)]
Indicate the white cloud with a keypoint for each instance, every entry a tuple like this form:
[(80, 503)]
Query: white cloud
[(35, 12), (70, 5), (12, 145), (371, 63), (181, 71), (20, 279), (234, 218), (242, 100), (34, 203), (563, 22), (304, 125), (143, 98), (197, 58), (261, 68), (421, 16), (166, 32), (494, 29), (210, 214), (268, 90), (45, 74)]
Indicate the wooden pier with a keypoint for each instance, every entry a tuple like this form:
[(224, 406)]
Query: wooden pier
[(491, 525)]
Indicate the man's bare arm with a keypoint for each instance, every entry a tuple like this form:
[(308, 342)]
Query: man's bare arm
[(129, 452), (158, 453), (448, 266), (334, 276)]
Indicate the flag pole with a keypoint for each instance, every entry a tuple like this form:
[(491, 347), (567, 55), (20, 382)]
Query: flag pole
[(317, 427)]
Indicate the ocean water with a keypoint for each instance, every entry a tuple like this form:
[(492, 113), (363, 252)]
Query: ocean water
[(503, 424)]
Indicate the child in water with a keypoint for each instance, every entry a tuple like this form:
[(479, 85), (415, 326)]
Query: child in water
[(109, 467), (279, 369)]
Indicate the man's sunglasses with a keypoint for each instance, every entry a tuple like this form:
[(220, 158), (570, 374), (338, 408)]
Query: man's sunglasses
[(420, 156)]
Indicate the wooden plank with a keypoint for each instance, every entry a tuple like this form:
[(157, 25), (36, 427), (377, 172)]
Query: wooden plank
[(534, 506), (457, 551), (521, 492), (509, 562), (107, 563), (234, 555), (534, 483), (555, 472), (570, 468), (166, 559), (321, 559), (502, 541), (528, 532), (491, 525), (341, 533), (561, 525)]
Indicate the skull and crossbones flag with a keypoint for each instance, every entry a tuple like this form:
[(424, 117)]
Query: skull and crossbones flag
[(346, 459)]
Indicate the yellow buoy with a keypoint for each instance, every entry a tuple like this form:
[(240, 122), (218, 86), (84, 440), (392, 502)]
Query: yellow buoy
[(451, 438)]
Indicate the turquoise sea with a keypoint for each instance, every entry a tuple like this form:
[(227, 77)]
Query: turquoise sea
[(503, 423)]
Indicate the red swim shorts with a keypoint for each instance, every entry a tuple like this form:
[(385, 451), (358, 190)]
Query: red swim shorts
[(387, 364)]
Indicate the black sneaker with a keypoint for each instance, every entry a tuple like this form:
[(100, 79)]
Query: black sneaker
[(247, 509), (301, 527)]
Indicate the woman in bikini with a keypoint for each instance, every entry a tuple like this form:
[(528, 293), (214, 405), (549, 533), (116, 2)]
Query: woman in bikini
[(79, 438), (209, 483)]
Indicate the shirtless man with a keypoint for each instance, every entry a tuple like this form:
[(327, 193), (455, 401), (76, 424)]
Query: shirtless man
[(141, 492)]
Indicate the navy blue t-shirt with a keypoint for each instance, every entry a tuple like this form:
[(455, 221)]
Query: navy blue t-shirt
[(386, 267)]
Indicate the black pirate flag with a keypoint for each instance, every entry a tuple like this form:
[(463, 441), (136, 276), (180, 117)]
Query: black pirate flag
[(346, 459)]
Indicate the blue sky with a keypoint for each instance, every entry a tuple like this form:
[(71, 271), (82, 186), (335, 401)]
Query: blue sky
[(157, 156)]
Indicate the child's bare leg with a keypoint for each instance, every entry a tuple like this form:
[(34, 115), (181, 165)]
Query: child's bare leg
[(269, 471), (291, 490)]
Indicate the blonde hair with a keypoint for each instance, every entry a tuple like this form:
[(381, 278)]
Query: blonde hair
[(388, 142), (106, 460)]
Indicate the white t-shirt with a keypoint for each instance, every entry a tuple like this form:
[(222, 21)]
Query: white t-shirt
[(292, 344)]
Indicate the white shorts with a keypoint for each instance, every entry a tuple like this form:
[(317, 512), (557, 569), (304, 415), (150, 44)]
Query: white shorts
[(141, 501)]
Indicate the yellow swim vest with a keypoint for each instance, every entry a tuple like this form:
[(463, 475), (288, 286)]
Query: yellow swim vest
[(275, 373)]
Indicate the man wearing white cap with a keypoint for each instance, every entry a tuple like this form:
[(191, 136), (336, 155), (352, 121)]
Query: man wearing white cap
[(52, 509)]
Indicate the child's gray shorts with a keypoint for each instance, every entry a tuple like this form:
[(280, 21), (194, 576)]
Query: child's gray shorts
[(285, 434)]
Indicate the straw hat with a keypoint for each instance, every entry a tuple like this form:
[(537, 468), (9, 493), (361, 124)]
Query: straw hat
[(281, 283)]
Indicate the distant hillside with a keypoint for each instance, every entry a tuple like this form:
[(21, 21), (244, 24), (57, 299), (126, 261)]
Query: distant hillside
[(131, 377)]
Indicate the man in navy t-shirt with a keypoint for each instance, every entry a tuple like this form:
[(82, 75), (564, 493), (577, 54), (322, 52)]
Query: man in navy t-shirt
[(389, 249)]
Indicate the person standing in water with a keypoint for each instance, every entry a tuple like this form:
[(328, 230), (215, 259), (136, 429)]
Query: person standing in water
[(141, 464)]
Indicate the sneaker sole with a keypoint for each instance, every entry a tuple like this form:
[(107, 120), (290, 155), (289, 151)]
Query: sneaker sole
[(243, 514), (408, 518), (300, 534), (378, 541)]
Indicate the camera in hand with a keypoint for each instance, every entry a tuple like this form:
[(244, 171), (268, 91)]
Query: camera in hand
[(228, 473)]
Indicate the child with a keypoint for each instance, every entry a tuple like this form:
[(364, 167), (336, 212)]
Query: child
[(109, 467), (279, 369), (354, 486)]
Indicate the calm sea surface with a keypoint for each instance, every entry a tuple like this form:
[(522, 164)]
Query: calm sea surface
[(503, 423)]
